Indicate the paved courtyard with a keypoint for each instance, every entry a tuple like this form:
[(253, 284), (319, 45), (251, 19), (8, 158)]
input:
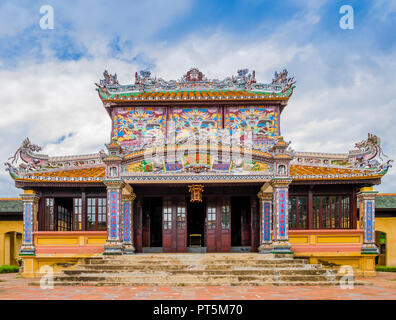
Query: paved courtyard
[(383, 286)]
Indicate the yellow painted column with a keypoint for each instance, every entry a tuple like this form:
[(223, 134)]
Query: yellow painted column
[(2, 254), (7, 248), (14, 248)]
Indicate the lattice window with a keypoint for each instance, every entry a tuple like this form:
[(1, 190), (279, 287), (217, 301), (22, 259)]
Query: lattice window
[(298, 213), (211, 217), (225, 215), (331, 212), (49, 214), (96, 213), (167, 211), (77, 213), (181, 216), (102, 214), (64, 217)]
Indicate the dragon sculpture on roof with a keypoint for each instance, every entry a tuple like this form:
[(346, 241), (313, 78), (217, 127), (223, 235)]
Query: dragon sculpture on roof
[(30, 161), (367, 154), (194, 79)]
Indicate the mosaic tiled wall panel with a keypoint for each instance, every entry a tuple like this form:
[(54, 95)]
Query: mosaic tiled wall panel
[(369, 221), (263, 121), (187, 121), (139, 127)]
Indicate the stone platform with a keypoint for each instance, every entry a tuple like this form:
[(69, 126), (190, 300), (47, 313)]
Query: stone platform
[(213, 269)]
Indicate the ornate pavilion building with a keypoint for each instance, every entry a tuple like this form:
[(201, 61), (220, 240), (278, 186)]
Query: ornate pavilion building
[(198, 165)]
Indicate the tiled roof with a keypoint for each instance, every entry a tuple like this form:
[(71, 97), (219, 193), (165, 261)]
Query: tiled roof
[(11, 205), (97, 174), (193, 95), (93, 174), (329, 173)]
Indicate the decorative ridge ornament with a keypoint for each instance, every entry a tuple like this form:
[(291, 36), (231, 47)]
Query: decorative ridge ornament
[(195, 80), (367, 154), (196, 192), (27, 161)]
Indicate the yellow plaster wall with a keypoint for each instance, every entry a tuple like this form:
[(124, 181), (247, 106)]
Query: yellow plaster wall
[(363, 265), (32, 265), (388, 225), (10, 241)]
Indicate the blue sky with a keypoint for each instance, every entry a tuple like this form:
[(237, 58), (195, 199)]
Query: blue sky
[(345, 78)]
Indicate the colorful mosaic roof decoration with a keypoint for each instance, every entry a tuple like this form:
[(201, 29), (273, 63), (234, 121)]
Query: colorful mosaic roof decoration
[(27, 164), (138, 131), (304, 166), (195, 86)]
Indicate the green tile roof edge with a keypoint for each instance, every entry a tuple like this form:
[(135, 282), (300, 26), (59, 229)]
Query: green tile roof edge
[(11, 205)]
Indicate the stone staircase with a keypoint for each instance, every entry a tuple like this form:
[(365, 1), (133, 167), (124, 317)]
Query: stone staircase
[(210, 269)]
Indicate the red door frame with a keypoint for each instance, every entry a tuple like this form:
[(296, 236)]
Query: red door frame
[(218, 239), (167, 225), (225, 226), (212, 223), (137, 225), (254, 224), (181, 224), (245, 226), (174, 232)]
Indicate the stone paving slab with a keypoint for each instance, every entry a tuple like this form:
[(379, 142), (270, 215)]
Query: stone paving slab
[(381, 287)]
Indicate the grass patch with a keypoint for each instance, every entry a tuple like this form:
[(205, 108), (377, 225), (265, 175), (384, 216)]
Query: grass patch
[(5, 268), (385, 269)]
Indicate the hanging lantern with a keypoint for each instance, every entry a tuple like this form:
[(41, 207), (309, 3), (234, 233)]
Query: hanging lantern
[(196, 192)]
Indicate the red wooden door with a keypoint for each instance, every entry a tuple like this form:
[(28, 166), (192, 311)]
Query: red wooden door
[(181, 225), (167, 226), (174, 226), (225, 227), (255, 225), (138, 226), (245, 224), (211, 225), (146, 230)]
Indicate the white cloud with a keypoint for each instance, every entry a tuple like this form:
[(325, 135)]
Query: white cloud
[(339, 97)]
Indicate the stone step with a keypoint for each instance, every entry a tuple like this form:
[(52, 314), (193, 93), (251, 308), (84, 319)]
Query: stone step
[(194, 262), (188, 266), (159, 279), (200, 284), (196, 283), (235, 271), (190, 257), (196, 270)]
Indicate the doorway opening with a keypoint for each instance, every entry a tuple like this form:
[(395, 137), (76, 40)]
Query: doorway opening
[(64, 214), (380, 241), (240, 221), (196, 212), (152, 222)]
